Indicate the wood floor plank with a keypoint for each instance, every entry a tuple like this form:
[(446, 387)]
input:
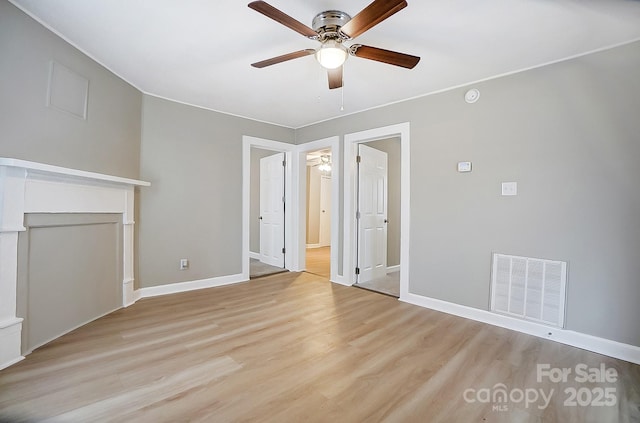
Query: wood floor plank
[(319, 261), (294, 347)]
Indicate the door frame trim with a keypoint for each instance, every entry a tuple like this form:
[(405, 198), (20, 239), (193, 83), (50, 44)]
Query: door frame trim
[(351, 141), (291, 236)]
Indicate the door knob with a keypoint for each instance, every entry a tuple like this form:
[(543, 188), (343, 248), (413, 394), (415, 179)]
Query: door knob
[(386, 221), (260, 218)]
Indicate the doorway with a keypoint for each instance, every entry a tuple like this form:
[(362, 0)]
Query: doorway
[(267, 213), (318, 212), (400, 133), (271, 206), (267, 224), (333, 213), (378, 217)]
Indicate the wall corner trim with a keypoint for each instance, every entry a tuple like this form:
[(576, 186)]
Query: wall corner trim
[(174, 288), (619, 350)]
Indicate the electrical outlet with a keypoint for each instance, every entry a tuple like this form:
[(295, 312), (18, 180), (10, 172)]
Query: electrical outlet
[(184, 264)]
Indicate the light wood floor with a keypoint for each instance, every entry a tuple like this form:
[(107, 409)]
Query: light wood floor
[(291, 348), (319, 261)]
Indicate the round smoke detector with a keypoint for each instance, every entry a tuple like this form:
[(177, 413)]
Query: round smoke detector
[(472, 95)]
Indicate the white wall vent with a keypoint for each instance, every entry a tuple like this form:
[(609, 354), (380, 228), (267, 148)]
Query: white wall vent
[(529, 288), (68, 91)]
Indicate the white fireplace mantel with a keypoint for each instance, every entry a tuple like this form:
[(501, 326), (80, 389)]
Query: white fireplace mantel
[(29, 187)]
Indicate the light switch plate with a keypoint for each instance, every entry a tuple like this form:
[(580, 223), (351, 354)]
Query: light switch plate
[(464, 166), (184, 264), (509, 188)]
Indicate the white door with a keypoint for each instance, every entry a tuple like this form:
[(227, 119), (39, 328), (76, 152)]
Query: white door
[(372, 207), (272, 210), (325, 211)]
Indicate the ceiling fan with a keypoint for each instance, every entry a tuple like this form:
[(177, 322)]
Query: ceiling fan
[(332, 28)]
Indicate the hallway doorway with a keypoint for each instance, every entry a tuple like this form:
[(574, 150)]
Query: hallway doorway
[(318, 212)]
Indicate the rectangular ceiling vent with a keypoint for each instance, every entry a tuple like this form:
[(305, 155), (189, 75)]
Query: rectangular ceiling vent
[(529, 288)]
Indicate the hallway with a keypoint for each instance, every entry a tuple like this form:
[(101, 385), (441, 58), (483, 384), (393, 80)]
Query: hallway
[(319, 261)]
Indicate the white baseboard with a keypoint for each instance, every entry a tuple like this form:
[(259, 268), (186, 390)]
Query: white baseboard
[(596, 344), (314, 245), (254, 255), (11, 362), (174, 288), (10, 341), (391, 269), (341, 280)]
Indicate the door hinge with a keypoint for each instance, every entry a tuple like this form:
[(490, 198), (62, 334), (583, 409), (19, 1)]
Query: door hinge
[(283, 250), (357, 159), (357, 270), (284, 163), (357, 215), (283, 200)]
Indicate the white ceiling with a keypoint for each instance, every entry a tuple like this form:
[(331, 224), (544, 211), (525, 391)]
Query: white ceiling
[(199, 51)]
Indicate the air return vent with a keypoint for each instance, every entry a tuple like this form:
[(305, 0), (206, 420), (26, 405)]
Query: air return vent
[(529, 288)]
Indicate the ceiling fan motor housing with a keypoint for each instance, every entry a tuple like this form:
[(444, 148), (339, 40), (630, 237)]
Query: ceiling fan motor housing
[(327, 23), (332, 28)]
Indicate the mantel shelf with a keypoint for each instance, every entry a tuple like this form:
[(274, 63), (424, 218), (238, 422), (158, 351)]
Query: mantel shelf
[(42, 167)]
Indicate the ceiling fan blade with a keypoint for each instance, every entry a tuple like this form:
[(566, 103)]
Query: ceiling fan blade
[(286, 20), (283, 58), (335, 78), (372, 15), (385, 56)]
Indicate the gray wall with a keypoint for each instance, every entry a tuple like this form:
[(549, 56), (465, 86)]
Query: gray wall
[(107, 142), (193, 209), (254, 209), (392, 148), (568, 134)]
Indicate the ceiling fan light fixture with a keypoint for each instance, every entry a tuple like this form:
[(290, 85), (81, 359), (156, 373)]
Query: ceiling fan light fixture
[(331, 54), (325, 163)]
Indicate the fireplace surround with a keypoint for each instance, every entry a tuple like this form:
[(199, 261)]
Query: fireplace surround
[(30, 187)]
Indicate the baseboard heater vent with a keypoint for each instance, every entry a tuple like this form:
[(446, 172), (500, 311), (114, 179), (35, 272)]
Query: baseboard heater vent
[(529, 288)]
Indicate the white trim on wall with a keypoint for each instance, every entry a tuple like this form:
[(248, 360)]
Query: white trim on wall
[(391, 269), (596, 344), (301, 202), (351, 141), (174, 288)]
